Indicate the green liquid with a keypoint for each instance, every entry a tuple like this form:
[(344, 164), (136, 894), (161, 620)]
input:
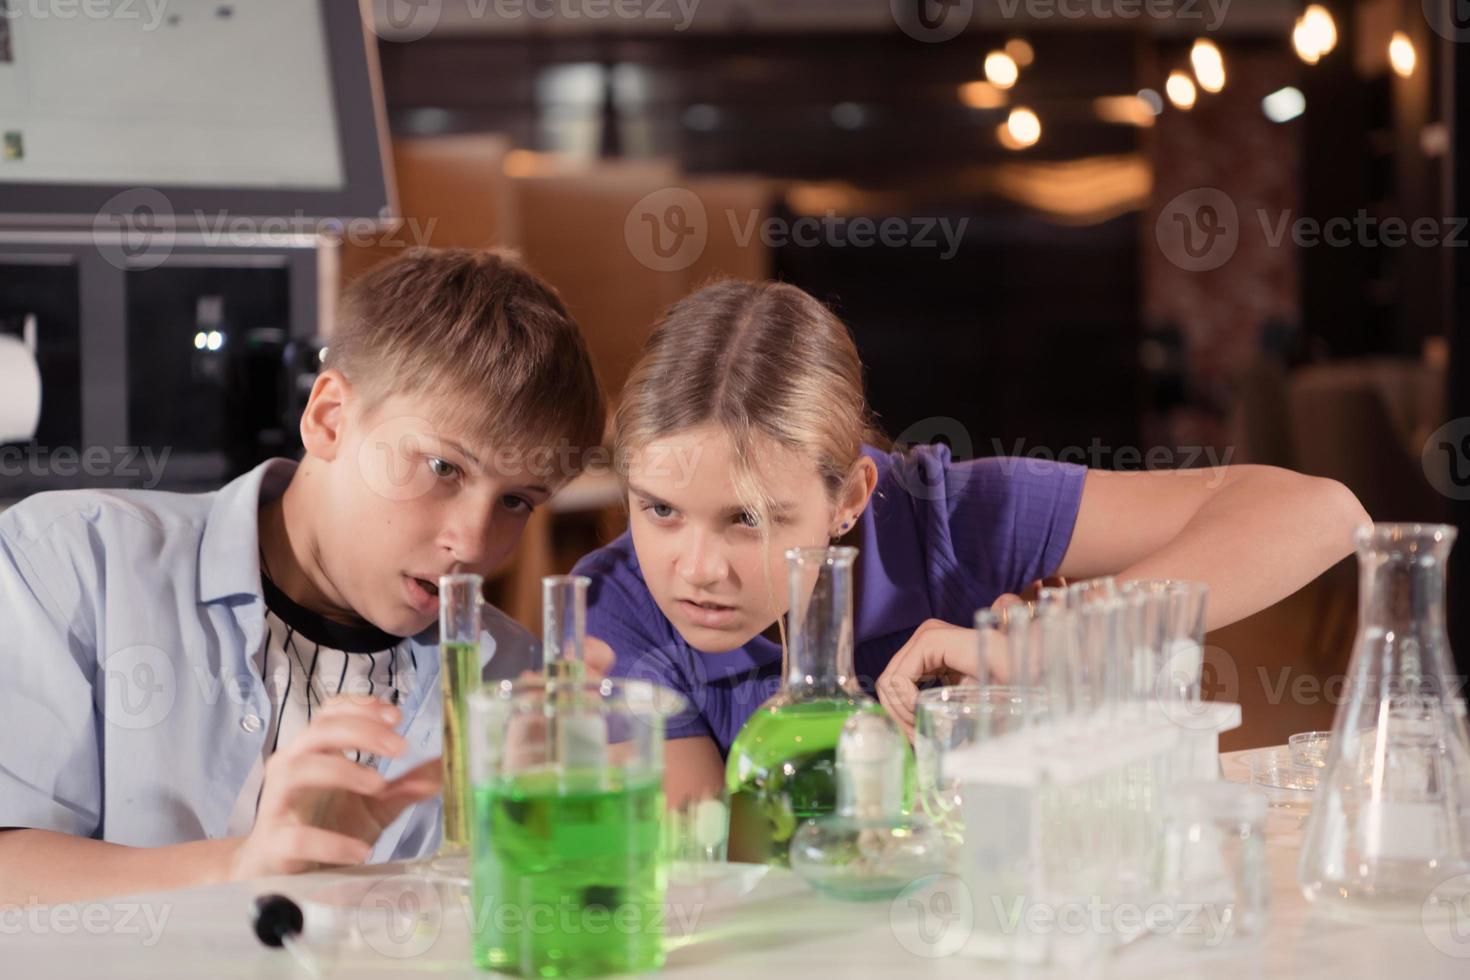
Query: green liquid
[(459, 674), (568, 880), (782, 769)]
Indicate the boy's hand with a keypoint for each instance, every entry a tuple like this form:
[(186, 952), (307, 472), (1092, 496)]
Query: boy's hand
[(318, 807), (943, 651)]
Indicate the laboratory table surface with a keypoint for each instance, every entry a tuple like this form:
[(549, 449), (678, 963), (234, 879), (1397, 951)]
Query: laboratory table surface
[(751, 922)]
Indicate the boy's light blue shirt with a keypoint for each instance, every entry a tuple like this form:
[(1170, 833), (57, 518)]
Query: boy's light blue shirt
[(131, 705)]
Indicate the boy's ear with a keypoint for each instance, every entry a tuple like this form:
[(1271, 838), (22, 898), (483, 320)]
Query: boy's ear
[(324, 422)]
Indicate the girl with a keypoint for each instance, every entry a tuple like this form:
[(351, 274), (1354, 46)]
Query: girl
[(743, 431)]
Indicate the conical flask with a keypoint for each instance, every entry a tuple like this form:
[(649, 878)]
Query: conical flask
[(782, 766), (1390, 823)]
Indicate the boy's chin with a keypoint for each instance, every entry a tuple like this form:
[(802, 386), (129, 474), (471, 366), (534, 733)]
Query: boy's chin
[(411, 623), (402, 620)]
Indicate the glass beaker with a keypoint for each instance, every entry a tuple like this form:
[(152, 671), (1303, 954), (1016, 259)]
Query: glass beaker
[(1214, 874), (1391, 817), (782, 766), (567, 865), (950, 718)]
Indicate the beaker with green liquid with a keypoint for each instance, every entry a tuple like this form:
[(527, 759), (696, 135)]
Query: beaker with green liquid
[(566, 846), (782, 766)]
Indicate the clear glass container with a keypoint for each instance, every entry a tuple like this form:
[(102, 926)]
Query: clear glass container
[(1390, 822), (869, 849), (950, 718), (567, 853), (1214, 863), (459, 675), (564, 626), (782, 766), (1310, 748), (1286, 783)]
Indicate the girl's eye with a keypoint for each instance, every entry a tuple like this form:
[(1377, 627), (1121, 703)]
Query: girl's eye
[(662, 511), (747, 519), (442, 468), (519, 505)]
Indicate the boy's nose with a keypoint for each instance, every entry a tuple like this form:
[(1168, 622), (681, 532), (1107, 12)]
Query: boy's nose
[(468, 539)]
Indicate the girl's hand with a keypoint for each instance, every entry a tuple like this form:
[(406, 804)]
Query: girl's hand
[(943, 651)]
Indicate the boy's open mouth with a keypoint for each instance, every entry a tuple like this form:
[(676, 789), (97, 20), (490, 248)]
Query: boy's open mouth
[(421, 593)]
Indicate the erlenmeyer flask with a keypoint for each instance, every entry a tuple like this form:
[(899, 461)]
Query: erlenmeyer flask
[(782, 767), (1390, 823)]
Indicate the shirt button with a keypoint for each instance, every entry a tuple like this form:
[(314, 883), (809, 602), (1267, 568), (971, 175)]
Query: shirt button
[(251, 723)]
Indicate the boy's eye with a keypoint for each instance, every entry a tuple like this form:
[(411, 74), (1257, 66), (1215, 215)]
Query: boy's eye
[(747, 519), (519, 505), (442, 468)]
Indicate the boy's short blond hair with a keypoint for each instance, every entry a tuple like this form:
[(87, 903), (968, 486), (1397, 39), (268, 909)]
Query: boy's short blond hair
[(489, 339)]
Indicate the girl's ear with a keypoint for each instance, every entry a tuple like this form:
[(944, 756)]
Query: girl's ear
[(861, 482)]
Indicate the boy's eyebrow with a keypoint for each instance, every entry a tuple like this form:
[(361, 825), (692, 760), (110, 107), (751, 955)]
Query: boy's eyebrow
[(474, 460)]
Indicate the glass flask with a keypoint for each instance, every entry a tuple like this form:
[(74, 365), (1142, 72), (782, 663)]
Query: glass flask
[(868, 849), (1390, 822), (782, 766)]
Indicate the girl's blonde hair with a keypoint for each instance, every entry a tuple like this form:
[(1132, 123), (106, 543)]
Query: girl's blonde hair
[(756, 359)]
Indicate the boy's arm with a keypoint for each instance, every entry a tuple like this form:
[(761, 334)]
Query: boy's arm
[(50, 774), (45, 867), (317, 808)]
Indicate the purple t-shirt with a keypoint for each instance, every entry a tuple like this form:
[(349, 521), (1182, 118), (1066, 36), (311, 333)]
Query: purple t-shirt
[(939, 540)]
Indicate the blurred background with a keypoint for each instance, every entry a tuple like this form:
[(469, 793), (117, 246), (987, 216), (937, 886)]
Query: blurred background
[(1128, 233)]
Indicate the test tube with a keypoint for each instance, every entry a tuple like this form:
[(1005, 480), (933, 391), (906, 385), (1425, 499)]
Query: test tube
[(1016, 622), (1082, 594), (1056, 646), (990, 645), (1183, 658), (1147, 617), (1051, 598), (576, 732), (459, 672), (564, 626)]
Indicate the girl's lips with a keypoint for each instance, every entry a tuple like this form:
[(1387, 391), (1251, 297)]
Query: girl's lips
[(710, 617)]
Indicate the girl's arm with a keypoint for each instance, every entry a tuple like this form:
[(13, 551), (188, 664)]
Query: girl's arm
[(693, 769), (1253, 534)]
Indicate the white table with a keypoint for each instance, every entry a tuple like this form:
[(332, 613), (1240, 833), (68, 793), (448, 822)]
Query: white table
[(779, 929)]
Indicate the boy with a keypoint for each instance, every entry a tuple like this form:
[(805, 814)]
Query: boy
[(184, 673)]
